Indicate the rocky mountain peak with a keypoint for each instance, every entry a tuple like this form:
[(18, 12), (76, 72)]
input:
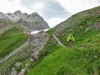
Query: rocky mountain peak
[(9, 14), (2, 15), (34, 14), (25, 14), (17, 13), (29, 22)]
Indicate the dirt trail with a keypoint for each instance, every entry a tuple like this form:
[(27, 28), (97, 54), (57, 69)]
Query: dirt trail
[(59, 42)]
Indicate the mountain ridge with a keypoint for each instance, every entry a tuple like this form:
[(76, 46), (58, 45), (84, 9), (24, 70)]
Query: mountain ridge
[(29, 22)]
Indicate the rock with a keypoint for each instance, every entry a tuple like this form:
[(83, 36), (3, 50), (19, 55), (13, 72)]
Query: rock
[(33, 22), (2, 15), (34, 58), (17, 13), (37, 42), (31, 16), (9, 14), (96, 25), (23, 70), (24, 15), (18, 64), (14, 72)]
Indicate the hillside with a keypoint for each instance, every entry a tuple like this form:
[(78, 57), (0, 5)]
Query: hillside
[(83, 58), (12, 36), (16, 43), (17, 48)]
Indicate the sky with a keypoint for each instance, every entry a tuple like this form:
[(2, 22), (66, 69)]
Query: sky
[(53, 11)]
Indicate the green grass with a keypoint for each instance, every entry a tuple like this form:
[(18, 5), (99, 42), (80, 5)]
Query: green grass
[(80, 29), (10, 40), (83, 58)]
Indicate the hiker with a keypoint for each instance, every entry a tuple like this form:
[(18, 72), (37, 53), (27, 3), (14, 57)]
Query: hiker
[(70, 40)]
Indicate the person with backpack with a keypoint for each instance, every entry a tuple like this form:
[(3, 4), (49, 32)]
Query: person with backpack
[(70, 40)]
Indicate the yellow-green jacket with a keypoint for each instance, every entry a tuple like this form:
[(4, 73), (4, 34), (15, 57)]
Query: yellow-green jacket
[(70, 38)]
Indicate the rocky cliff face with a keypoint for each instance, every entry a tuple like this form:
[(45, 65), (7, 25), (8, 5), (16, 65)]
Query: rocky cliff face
[(29, 22), (37, 42)]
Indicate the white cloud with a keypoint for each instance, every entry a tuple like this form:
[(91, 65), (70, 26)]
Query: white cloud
[(11, 6), (38, 7), (54, 21), (75, 6)]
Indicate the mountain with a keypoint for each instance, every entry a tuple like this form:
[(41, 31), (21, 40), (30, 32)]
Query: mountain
[(16, 46), (18, 50), (29, 22), (83, 58), (47, 53)]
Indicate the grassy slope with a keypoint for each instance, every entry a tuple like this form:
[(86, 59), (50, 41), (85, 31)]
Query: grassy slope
[(77, 24), (83, 58), (12, 37), (10, 40)]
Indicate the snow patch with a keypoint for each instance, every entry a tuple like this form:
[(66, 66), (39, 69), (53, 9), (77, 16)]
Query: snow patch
[(35, 32)]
